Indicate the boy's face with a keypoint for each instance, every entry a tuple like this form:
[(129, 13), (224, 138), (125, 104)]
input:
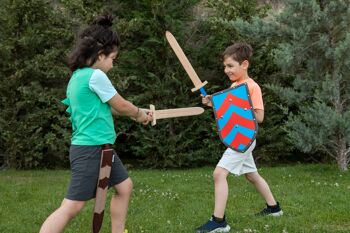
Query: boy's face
[(234, 70), (105, 63)]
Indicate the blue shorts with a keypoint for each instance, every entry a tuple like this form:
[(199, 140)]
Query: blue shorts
[(85, 167)]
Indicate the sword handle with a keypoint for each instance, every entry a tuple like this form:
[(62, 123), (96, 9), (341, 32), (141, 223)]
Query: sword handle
[(203, 92)]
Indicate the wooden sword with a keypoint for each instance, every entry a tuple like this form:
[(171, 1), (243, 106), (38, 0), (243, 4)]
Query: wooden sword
[(198, 84), (175, 112)]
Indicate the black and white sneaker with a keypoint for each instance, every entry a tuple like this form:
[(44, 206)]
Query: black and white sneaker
[(274, 211), (213, 227)]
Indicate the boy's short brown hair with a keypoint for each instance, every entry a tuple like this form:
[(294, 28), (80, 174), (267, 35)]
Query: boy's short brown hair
[(239, 51)]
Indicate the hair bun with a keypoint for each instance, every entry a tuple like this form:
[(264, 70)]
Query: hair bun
[(104, 20)]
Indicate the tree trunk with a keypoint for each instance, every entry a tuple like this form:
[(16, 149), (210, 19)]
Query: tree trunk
[(342, 155)]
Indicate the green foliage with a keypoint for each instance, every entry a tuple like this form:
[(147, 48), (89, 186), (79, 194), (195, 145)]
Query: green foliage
[(33, 73), (37, 35), (148, 72)]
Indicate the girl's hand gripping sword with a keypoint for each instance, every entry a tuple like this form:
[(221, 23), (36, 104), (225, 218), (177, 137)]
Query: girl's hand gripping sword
[(198, 84)]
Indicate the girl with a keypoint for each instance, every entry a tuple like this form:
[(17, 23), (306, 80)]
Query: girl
[(91, 98)]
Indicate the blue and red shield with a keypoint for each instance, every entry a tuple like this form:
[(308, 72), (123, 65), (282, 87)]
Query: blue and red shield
[(235, 117)]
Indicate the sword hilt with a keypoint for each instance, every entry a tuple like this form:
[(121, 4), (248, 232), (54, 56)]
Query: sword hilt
[(153, 109), (203, 92), (200, 87)]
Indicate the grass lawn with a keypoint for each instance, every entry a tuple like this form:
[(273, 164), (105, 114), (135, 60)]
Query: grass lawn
[(314, 198)]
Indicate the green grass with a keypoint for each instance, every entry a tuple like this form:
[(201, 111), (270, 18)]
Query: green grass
[(315, 198)]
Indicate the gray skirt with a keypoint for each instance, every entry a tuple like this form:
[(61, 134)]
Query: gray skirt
[(85, 167)]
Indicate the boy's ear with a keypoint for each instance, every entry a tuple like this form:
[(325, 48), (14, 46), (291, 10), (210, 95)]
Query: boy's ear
[(245, 64)]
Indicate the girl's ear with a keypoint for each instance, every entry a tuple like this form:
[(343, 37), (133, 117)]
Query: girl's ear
[(100, 55), (245, 64)]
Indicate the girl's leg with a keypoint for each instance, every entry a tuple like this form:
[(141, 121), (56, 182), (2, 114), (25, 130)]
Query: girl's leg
[(221, 191), (262, 187), (56, 222), (119, 205)]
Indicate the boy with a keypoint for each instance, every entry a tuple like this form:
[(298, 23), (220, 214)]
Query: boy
[(236, 63)]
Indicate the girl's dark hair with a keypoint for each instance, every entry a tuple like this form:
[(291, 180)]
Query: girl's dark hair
[(95, 39), (239, 52)]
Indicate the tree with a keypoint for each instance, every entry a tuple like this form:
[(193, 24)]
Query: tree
[(313, 51), (33, 46)]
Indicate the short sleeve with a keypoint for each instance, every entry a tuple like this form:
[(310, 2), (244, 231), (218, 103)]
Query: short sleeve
[(256, 97), (102, 86)]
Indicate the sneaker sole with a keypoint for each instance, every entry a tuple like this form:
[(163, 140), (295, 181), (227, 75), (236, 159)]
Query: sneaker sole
[(221, 230), (277, 214)]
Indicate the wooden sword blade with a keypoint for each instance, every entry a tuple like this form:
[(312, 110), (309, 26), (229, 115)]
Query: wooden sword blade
[(184, 61), (178, 112)]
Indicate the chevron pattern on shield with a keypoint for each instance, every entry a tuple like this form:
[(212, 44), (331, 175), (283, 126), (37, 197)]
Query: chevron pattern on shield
[(235, 117)]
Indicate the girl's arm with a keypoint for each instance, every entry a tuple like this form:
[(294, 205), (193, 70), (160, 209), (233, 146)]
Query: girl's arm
[(124, 107)]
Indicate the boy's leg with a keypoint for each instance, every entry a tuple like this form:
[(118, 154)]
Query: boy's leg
[(56, 222), (218, 223), (262, 187), (221, 191), (273, 208), (119, 205)]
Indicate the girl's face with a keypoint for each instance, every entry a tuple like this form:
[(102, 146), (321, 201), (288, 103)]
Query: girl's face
[(234, 70), (105, 63)]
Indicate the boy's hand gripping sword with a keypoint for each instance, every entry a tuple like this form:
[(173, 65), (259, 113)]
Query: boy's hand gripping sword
[(198, 84)]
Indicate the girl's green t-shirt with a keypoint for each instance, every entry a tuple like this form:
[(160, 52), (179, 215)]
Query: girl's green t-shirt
[(92, 120)]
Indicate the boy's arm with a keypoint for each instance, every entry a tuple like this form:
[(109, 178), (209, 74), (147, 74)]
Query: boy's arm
[(259, 115)]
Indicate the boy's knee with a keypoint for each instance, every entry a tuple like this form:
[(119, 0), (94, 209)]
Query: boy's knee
[(218, 174), (252, 177)]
